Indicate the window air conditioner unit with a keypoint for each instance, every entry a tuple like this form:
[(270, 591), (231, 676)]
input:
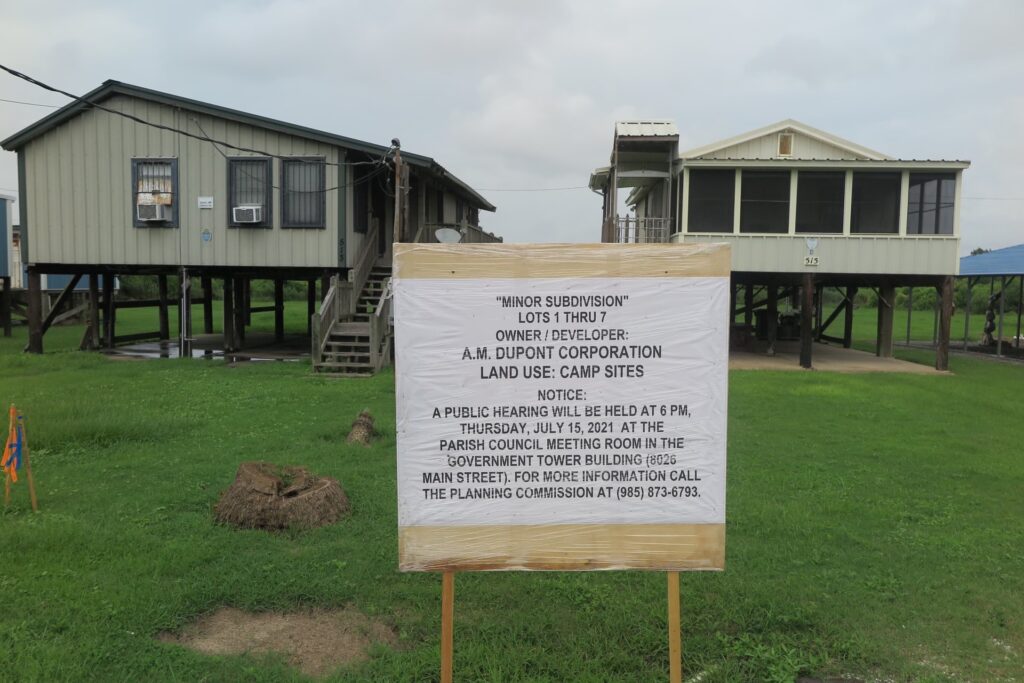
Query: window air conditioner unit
[(153, 212), (250, 213)]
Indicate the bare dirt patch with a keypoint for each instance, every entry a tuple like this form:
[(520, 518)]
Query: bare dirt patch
[(316, 643)]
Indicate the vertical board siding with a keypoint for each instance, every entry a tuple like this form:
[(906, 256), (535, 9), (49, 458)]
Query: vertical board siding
[(859, 254), (80, 199), (766, 147)]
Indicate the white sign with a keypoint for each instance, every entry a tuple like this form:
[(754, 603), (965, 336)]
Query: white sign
[(206, 202), (574, 421), (546, 401)]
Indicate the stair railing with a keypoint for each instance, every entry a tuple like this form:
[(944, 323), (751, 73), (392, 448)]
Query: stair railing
[(364, 264), (336, 306), (380, 325)]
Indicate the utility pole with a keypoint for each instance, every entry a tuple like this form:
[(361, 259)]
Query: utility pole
[(397, 237)]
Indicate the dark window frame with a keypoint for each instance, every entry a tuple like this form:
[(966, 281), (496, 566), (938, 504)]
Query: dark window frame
[(694, 201), (837, 177), (175, 192), (268, 193), (916, 227), (756, 206), (855, 205), (295, 225)]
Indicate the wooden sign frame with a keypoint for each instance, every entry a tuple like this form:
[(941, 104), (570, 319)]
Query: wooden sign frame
[(607, 545)]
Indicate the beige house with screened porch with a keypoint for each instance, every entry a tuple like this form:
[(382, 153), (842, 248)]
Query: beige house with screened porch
[(803, 210)]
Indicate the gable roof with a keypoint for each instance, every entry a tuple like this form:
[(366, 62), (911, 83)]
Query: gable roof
[(110, 88), (1006, 261), (784, 126)]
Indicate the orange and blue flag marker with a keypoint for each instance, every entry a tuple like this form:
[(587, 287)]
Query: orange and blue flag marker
[(11, 460)]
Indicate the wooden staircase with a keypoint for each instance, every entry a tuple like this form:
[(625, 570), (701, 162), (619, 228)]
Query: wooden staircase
[(366, 304), (348, 347)]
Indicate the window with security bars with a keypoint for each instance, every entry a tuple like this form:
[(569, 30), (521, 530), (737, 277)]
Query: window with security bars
[(154, 193), (303, 193), (250, 186)]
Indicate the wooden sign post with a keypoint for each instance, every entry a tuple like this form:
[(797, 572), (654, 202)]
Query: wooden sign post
[(561, 407)]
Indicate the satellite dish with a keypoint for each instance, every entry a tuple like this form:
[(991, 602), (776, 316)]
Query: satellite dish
[(448, 235)]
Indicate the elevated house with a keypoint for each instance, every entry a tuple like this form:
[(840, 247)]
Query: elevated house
[(803, 210), (128, 180)]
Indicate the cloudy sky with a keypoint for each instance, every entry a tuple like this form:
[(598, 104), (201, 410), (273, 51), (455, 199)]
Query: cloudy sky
[(523, 94)]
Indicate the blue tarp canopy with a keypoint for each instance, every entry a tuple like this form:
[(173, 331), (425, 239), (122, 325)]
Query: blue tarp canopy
[(1006, 261)]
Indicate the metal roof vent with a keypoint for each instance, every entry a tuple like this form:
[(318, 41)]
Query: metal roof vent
[(785, 144)]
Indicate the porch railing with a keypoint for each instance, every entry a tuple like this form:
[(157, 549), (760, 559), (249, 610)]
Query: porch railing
[(630, 230)]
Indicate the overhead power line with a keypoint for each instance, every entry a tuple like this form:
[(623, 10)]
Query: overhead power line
[(381, 168), (31, 104), (172, 129)]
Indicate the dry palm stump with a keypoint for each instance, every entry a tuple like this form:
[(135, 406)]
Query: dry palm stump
[(268, 496), (362, 429)]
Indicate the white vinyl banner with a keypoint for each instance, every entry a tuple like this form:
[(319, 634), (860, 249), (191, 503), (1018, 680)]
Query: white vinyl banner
[(561, 400)]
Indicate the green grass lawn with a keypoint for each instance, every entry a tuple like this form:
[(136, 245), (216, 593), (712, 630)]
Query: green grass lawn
[(876, 529)]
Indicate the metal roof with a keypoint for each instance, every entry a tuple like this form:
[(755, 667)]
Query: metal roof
[(791, 160), (1006, 261), (660, 128), (111, 88)]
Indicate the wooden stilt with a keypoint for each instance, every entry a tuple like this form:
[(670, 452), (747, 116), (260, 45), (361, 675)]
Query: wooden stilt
[(819, 305), (851, 292), (748, 305), (35, 311), (207, 283), (229, 314), (5, 307), (773, 317), (945, 323), (246, 304), (675, 639), (447, 625), (806, 320), (240, 310), (910, 311), (310, 305), (109, 311), (732, 304), (94, 311), (883, 341), (278, 309), (967, 312), (165, 326), (185, 313)]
